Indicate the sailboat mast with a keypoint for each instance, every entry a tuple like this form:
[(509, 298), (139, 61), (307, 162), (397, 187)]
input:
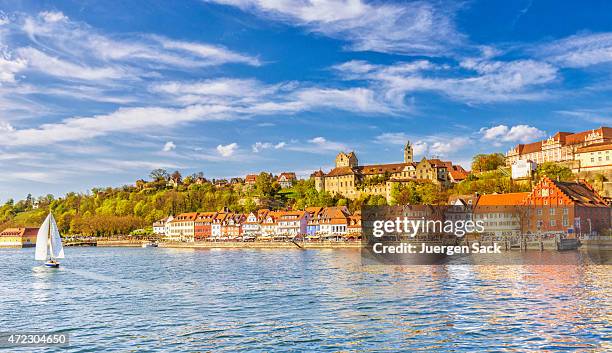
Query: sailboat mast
[(50, 242)]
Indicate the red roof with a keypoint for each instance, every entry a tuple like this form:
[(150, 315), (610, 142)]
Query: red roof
[(20, 232)]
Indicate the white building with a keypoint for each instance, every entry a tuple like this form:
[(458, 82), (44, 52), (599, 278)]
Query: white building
[(522, 169)]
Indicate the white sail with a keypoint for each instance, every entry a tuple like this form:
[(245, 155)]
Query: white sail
[(42, 239), (57, 250)]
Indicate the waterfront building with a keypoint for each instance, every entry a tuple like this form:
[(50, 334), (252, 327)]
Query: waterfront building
[(217, 223), (569, 208), (251, 226), (269, 225), (203, 225), (161, 227), (462, 207), (561, 147), (354, 226), (595, 158), (286, 179), (231, 227), (182, 227), (292, 223), (18, 237), (334, 221), (501, 214), (313, 226), (351, 180)]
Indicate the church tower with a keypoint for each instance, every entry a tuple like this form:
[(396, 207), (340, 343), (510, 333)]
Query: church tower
[(408, 153)]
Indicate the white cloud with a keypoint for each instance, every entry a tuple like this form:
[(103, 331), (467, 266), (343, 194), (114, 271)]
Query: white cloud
[(169, 146), (227, 150), (577, 51), (6, 127), (361, 100), (53, 16), (475, 81), (418, 28), (260, 146), (54, 66), (426, 146), (122, 120), (215, 54), (79, 46), (517, 133), (448, 146), (9, 66)]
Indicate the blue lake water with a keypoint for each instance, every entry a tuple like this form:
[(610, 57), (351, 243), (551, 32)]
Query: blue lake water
[(167, 300)]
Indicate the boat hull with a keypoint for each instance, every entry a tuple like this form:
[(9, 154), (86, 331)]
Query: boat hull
[(52, 264)]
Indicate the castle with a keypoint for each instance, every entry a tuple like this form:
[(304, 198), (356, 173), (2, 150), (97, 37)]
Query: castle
[(351, 180)]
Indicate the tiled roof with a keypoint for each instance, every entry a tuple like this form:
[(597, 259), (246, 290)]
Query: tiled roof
[(603, 146), (565, 138), (580, 192), (20, 232), (341, 171), (510, 199), (287, 175)]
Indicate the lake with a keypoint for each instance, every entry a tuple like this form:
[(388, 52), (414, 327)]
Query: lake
[(257, 300)]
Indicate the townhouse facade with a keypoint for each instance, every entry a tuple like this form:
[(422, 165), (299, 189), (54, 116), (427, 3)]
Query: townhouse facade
[(500, 214), (181, 228), (572, 208)]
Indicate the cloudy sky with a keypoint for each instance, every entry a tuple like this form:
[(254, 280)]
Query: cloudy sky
[(98, 93)]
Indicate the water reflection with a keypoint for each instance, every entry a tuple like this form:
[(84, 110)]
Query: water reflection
[(270, 300)]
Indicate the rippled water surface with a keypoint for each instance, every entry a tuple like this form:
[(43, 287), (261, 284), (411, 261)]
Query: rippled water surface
[(114, 299)]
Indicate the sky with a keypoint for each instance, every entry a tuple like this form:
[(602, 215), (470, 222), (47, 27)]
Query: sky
[(99, 93)]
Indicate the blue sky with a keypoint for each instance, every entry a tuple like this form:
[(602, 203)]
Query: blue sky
[(100, 93)]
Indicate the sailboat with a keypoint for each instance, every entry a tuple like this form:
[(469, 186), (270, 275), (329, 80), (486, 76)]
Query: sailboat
[(49, 246)]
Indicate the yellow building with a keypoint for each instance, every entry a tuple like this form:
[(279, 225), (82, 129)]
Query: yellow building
[(560, 147), (18, 237), (351, 180), (595, 158)]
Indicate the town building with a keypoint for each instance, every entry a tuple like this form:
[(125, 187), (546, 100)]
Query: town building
[(522, 169), (561, 147), (161, 226), (570, 208), (596, 158), (334, 221), (354, 226), (313, 226), (351, 180), (286, 179), (501, 214), (231, 227), (292, 223), (202, 229), (181, 228), (250, 179), (18, 237)]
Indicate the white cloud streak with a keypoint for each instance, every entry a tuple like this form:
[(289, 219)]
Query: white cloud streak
[(417, 28)]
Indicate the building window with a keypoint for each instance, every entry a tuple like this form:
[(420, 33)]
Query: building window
[(552, 211), (553, 222)]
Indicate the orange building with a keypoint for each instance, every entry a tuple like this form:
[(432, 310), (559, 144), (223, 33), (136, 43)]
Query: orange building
[(555, 207), (18, 237)]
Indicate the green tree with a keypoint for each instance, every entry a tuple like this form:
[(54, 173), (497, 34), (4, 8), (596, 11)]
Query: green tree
[(554, 171), (486, 162)]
